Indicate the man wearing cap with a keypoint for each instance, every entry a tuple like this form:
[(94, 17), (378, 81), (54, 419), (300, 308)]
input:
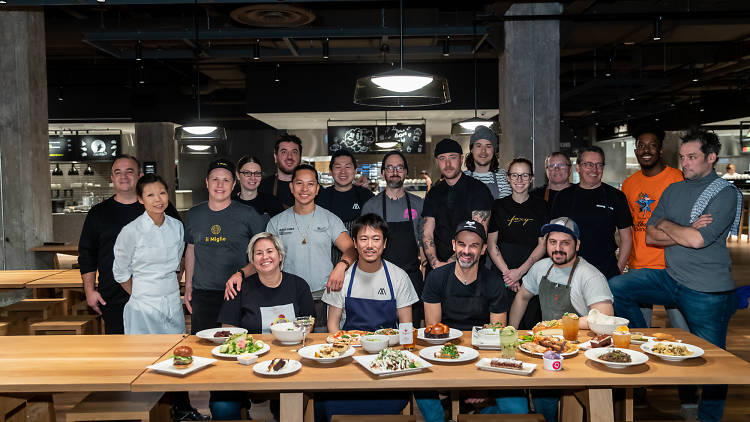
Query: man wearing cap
[(217, 233), (565, 282), (402, 210), (557, 168), (482, 162), (287, 154), (454, 199)]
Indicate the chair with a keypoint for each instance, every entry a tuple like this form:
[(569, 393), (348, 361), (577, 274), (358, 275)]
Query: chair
[(119, 406)]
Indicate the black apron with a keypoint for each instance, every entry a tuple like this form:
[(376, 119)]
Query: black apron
[(445, 225), (276, 190), (555, 298), (336, 254), (465, 312), (403, 250)]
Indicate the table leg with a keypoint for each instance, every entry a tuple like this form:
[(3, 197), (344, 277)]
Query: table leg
[(455, 405), (309, 403), (599, 407), (629, 414), (570, 408), (292, 407)]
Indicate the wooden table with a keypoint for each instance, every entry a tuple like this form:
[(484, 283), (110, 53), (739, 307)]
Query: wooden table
[(13, 284), (69, 249), (591, 381), (63, 279)]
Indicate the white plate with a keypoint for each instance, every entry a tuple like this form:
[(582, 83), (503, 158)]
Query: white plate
[(466, 354), (648, 338), (541, 354), (484, 364), (454, 334), (697, 351), (365, 361), (308, 352), (637, 358), (215, 352), (485, 345), (166, 367), (208, 334), (291, 366)]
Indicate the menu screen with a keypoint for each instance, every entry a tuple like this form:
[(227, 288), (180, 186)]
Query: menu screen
[(99, 147), (62, 148), (409, 139)]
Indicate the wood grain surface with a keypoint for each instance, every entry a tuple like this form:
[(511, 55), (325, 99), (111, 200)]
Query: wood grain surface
[(17, 279)]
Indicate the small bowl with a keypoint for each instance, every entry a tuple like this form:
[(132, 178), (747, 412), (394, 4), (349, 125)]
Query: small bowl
[(374, 343), (287, 333), (553, 364), (607, 328), (247, 358), (393, 339)]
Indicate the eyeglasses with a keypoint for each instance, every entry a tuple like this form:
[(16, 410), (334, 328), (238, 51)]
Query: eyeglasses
[(522, 176), (558, 166), (251, 173), (589, 165), (399, 168)]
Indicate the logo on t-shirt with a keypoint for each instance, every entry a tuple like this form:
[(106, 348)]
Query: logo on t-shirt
[(381, 291), (413, 213), (521, 220), (644, 202), (215, 230), (355, 206)]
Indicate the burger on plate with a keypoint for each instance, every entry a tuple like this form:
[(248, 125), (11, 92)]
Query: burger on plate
[(182, 357)]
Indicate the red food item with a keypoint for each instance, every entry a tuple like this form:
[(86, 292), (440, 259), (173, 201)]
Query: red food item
[(437, 331)]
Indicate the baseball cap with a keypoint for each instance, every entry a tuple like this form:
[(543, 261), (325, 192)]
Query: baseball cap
[(474, 227), (564, 225), (221, 163)]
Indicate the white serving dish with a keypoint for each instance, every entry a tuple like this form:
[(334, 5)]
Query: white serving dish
[(287, 333), (215, 351), (484, 364), (208, 334), (365, 361), (308, 352), (166, 367), (292, 366), (607, 328), (393, 339), (697, 351), (466, 354), (374, 343), (454, 334), (637, 358)]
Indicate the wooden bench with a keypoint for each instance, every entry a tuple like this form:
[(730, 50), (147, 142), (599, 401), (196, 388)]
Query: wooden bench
[(502, 418), (40, 308), (83, 324), (119, 406), (26, 409)]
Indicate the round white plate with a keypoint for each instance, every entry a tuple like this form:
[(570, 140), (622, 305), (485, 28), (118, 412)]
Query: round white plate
[(290, 367), (542, 354), (697, 351), (215, 352), (208, 334), (466, 354), (454, 334), (308, 352), (637, 358)]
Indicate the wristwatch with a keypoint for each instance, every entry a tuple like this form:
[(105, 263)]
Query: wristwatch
[(345, 263), (239, 270)]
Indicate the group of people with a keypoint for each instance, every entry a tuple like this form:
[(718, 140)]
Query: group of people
[(482, 246)]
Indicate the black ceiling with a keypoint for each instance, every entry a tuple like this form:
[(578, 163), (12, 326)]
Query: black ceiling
[(612, 70)]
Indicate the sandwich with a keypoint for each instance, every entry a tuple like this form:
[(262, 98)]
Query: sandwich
[(182, 357)]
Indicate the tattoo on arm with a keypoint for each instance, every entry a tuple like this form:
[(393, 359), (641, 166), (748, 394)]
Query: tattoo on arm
[(481, 216)]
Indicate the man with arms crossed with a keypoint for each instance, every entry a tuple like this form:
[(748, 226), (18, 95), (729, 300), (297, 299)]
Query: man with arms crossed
[(691, 222), (287, 154)]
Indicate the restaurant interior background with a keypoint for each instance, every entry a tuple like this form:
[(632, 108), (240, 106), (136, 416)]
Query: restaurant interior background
[(548, 75)]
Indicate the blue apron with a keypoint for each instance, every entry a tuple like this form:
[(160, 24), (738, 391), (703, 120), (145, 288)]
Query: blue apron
[(370, 314)]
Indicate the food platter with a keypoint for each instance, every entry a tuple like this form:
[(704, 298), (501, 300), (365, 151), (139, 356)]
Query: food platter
[(466, 354), (208, 334), (694, 351), (367, 361), (290, 367), (524, 347), (485, 365), (351, 336), (308, 352), (166, 367), (215, 351), (454, 334), (637, 358)]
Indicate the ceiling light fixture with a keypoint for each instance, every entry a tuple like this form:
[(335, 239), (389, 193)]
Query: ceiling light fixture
[(138, 50), (473, 123), (276, 73), (256, 50), (325, 48), (141, 78), (57, 171), (657, 28), (198, 147), (60, 96), (89, 171), (401, 87), (447, 46), (73, 170)]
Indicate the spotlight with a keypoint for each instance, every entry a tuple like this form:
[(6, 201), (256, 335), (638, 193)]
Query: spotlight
[(325, 48), (138, 51), (446, 46), (60, 96), (256, 50), (276, 73), (657, 29)]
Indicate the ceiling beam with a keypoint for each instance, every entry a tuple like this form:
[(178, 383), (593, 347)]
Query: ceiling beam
[(292, 46)]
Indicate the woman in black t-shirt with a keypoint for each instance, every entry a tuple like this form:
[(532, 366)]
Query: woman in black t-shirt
[(249, 174), (514, 242)]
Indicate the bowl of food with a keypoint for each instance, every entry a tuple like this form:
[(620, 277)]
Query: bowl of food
[(391, 333), (604, 324), (374, 343), (287, 333)]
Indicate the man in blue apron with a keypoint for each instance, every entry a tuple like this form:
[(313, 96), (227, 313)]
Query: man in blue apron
[(402, 211), (691, 221), (376, 294)]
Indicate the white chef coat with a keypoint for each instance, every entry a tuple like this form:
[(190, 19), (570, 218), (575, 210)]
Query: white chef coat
[(151, 255)]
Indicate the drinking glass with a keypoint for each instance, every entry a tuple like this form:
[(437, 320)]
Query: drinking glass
[(570, 327), (508, 341)]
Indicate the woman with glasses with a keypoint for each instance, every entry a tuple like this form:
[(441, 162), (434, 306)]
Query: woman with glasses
[(514, 242), (249, 174)]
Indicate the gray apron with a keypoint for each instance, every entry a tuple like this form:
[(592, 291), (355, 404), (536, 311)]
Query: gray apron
[(555, 298)]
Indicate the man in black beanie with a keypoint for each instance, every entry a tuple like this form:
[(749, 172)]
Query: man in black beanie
[(452, 200)]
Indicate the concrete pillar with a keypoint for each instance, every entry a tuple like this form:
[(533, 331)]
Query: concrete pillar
[(155, 142), (530, 86), (26, 211)]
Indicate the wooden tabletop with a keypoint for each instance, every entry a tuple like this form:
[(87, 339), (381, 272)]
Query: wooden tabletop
[(70, 249), (17, 279), (77, 363), (68, 279), (716, 365)]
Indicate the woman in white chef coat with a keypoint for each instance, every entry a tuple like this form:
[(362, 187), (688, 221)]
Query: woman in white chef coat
[(147, 259)]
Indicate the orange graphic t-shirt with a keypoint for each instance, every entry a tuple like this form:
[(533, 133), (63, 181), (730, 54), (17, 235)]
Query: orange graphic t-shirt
[(643, 195)]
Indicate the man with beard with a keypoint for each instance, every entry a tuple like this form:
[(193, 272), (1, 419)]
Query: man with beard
[(565, 282), (600, 210), (402, 210), (482, 162), (557, 168), (287, 154), (691, 222), (454, 199)]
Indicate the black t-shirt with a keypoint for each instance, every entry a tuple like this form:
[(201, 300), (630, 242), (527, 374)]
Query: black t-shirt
[(518, 227), (257, 306), (451, 205), (98, 235), (598, 213), (442, 283), (346, 205), (540, 191), (263, 203), (282, 189)]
